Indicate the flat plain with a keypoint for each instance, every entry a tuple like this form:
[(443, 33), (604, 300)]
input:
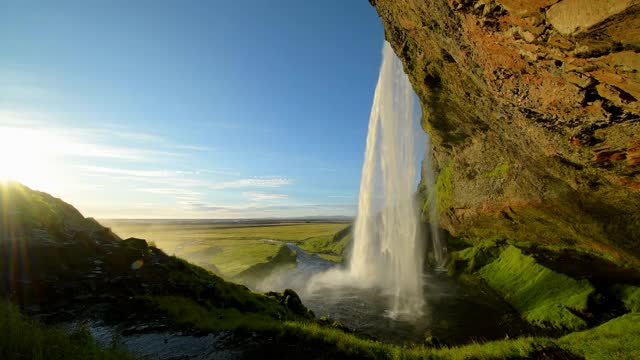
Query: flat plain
[(229, 248)]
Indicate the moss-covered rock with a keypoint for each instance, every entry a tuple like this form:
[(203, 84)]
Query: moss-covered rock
[(543, 297), (473, 258)]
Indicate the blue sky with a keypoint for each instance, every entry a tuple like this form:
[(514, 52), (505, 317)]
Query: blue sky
[(189, 109)]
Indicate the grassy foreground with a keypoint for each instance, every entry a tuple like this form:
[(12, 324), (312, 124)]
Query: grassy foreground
[(618, 338), (26, 339)]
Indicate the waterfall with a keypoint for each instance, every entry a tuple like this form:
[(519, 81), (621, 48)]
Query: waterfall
[(387, 250)]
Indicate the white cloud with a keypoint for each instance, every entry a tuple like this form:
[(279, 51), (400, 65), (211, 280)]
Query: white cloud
[(262, 196), (182, 179), (128, 172), (171, 191), (268, 181), (212, 211), (94, 141)]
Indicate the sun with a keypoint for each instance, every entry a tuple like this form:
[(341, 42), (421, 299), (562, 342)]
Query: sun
[(26, 156)]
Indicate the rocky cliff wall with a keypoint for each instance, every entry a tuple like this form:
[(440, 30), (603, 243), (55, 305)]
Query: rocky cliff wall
[(533, 111)]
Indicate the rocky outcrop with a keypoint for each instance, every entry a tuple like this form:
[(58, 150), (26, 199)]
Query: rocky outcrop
[(534, 114)]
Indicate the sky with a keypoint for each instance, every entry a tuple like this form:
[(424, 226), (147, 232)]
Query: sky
[(189, 109)]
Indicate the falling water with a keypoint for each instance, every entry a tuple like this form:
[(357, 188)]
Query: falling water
[(387, 251)]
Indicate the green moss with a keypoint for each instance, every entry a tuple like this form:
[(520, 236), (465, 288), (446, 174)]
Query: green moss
[(629, 295), (444, 187), (616, 339), (499, 170), (186, 311), (26, 339), (543, 297), (473, 258)]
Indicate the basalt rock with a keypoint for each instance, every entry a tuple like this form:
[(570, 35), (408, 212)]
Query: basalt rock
[(534, 114)]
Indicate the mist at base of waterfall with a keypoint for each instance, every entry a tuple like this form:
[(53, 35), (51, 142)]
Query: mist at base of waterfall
[(452, 312)]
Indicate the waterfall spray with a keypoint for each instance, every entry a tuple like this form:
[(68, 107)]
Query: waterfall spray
[(387, 250)]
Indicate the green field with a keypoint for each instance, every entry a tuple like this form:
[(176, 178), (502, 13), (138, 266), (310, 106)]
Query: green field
[(227, 248)]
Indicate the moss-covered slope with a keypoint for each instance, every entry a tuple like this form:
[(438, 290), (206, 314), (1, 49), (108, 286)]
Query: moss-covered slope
[(543, 297)]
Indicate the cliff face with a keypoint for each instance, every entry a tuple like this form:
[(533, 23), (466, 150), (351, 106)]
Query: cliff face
[(532, 107)]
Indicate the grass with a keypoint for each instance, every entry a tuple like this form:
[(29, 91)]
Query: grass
[(179, 232), (233, 258), (616, 339), (329, 247), (285, 259), (333, 258), (228, 248), (335, 342), (207, 288), (543, 297), (188, 312), (630, 296), (26, 339)]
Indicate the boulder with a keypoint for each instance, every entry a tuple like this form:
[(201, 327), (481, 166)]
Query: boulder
[(571, 17)]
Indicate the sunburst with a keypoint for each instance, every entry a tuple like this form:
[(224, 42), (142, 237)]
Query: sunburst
[(27, 156)]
